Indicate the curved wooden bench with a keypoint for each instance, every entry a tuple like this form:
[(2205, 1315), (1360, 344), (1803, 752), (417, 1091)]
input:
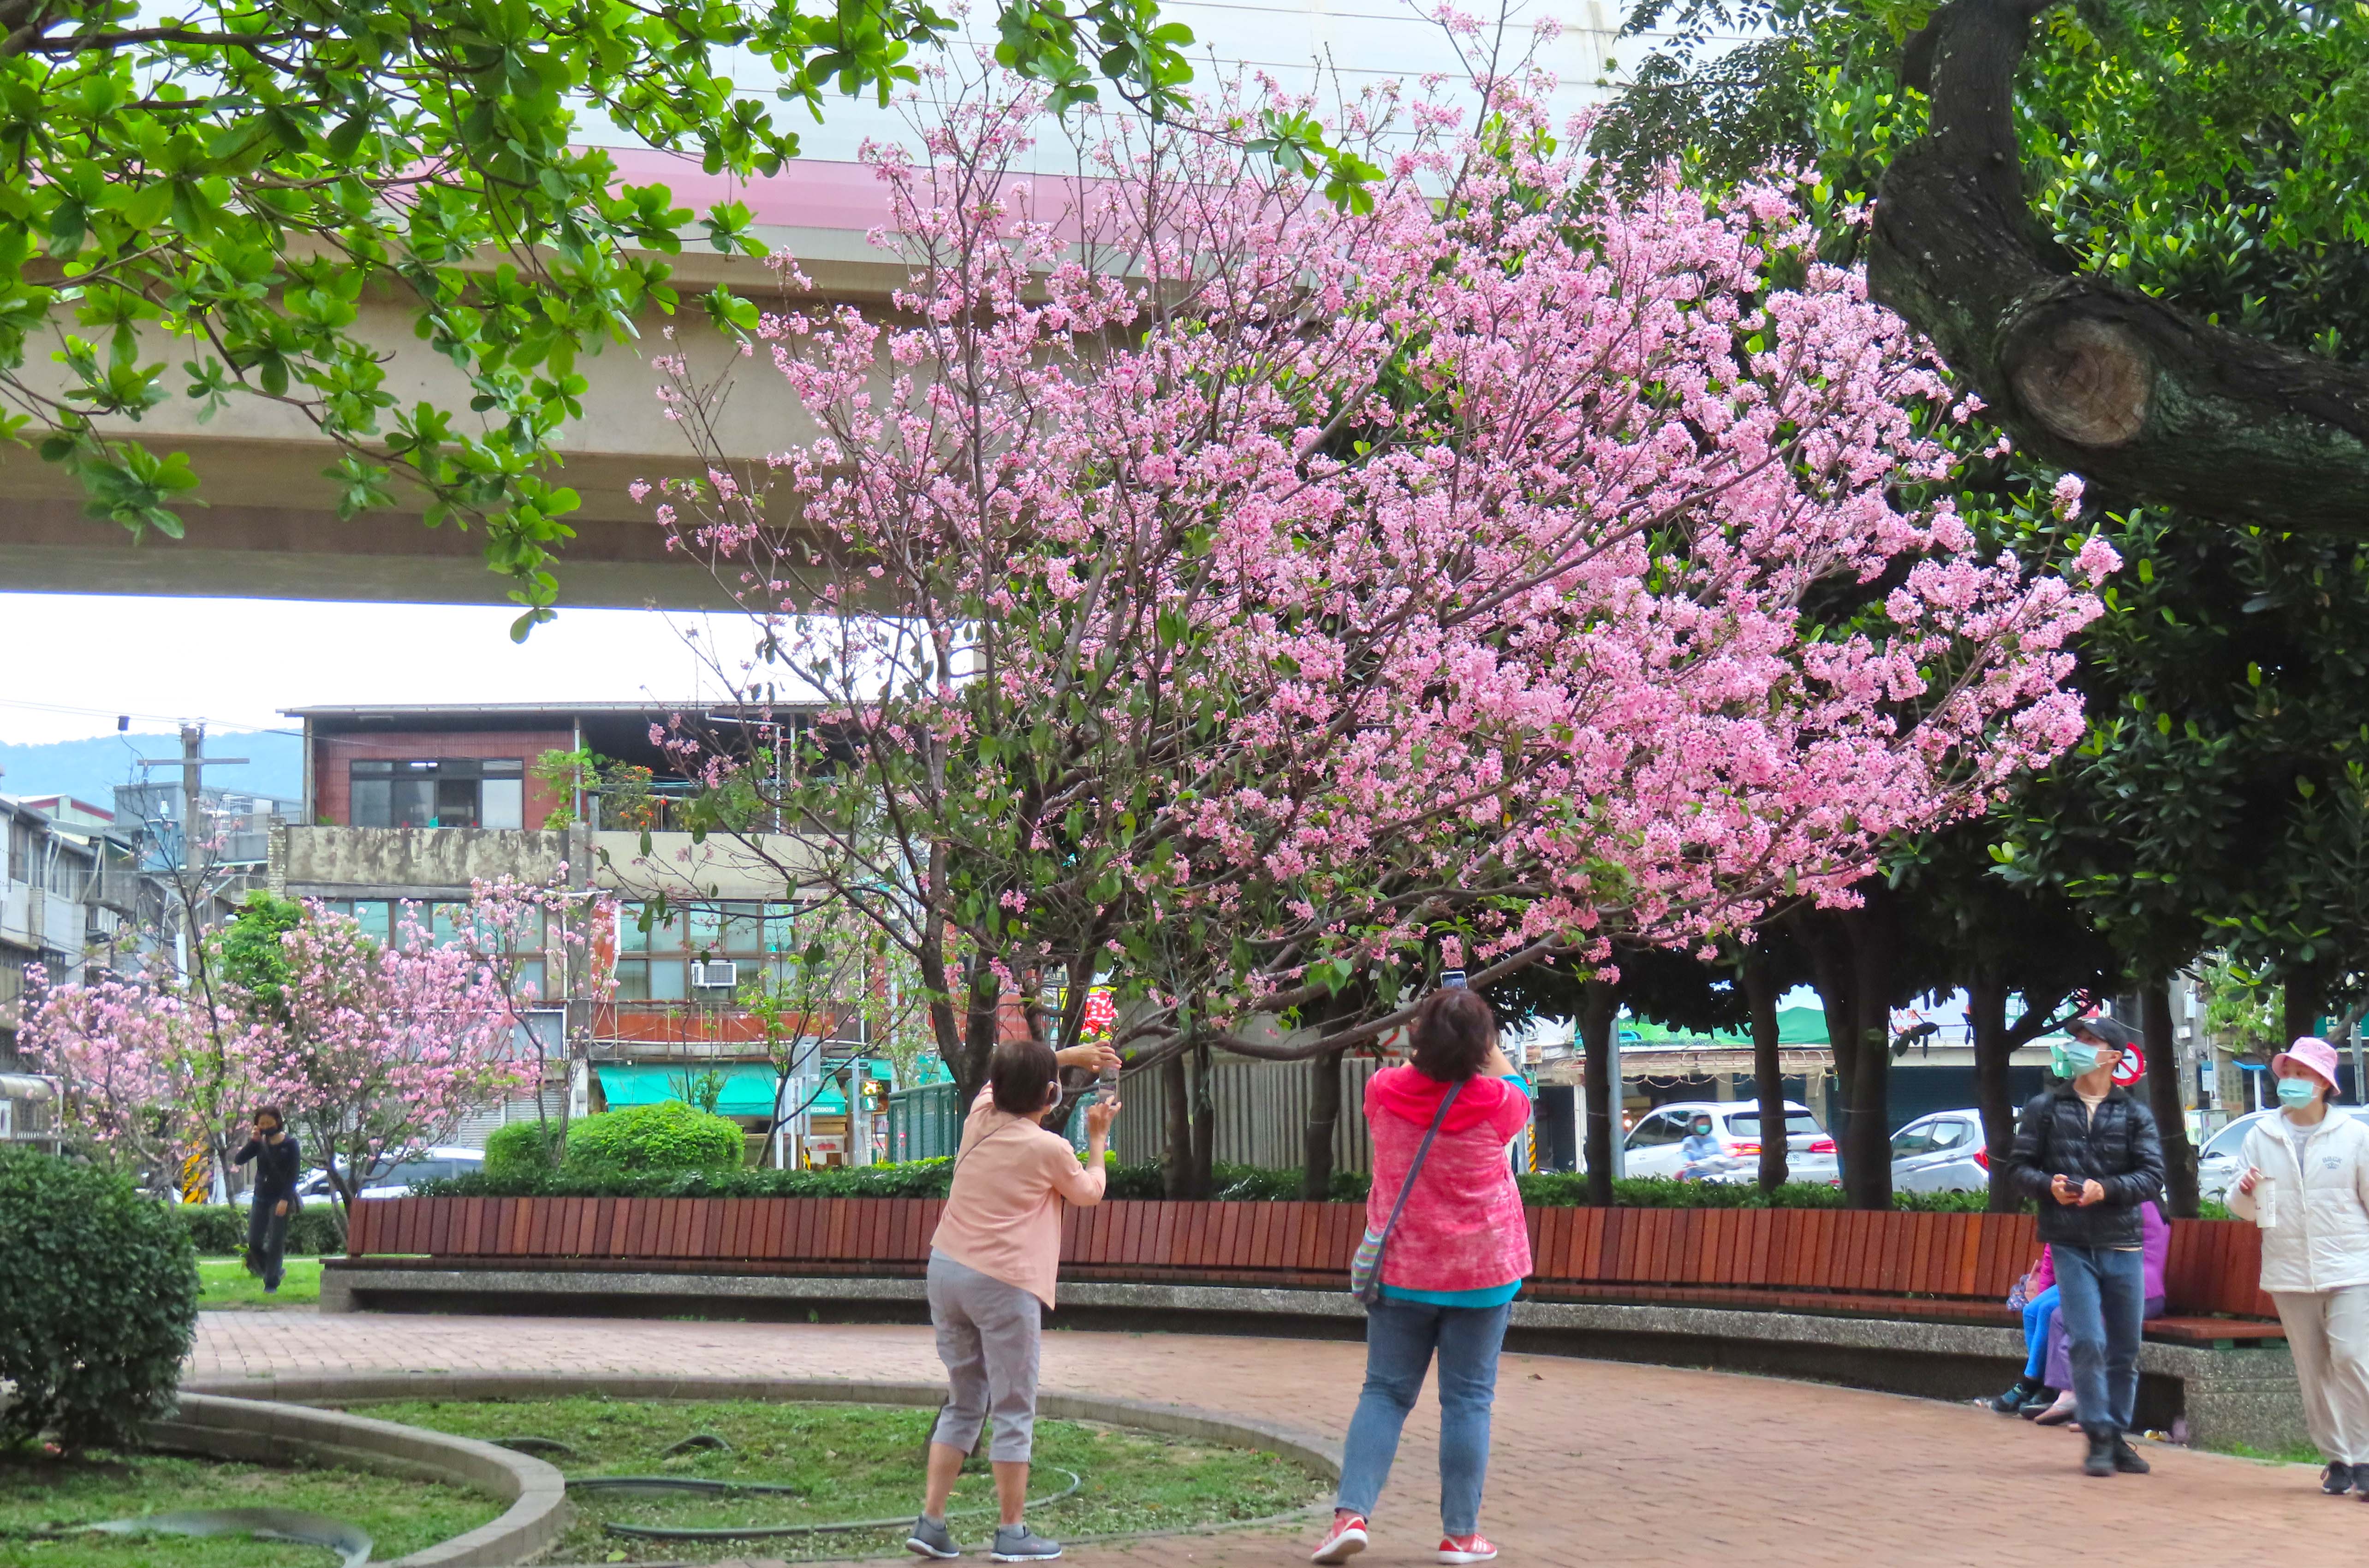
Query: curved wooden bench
[(1954, 1268)]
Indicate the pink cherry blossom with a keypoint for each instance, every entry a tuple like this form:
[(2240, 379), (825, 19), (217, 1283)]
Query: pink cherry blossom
[(1185, 552)]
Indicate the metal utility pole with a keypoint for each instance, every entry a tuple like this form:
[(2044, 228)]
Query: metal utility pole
[(193, 763)]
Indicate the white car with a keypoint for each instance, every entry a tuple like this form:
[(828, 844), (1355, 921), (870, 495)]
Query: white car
[(393, 1179), (1653, 1146), (1943, 1152), (2217, 1165)]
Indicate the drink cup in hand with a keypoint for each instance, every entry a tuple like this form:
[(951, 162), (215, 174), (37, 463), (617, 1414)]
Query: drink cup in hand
[(2246, 1183)]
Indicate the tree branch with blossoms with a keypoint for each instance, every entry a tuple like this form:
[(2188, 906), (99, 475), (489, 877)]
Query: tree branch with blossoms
[(1211, 587)]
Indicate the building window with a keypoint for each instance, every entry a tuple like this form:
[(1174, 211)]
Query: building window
[(659, 964), (445, 793)]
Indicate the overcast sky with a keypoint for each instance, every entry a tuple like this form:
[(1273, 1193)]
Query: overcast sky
[(73, 662)]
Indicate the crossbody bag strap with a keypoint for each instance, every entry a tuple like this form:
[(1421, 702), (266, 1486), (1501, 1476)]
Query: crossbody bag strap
[(1415, 1167)]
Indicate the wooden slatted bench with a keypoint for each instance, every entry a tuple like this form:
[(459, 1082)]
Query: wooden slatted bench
[(1952, 1268)]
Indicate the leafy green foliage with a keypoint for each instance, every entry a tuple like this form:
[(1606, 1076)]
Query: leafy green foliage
[(2206, 151), (523, 1149), (101, 1304), (209, 204), (219, 1230), (249, 953), (646, 1139)]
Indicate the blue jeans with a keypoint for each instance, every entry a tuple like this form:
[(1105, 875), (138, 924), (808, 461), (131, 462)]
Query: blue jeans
[(2035, 1331), (2101, 1296), (1399, 1338)]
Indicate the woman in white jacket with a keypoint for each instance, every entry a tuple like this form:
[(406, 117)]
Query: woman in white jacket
[(2306, 1184)]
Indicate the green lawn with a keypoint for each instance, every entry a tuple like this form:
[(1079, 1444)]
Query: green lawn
[(38, 1492), (225, 1282), (858, 1462)]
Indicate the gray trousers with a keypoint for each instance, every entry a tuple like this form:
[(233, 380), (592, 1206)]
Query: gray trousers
[(2329, 1333), (988, 1336)]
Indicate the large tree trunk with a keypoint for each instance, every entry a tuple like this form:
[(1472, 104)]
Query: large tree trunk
[(2164, 1098), (1834, 940), (1600, 1013), (2151, 403), (1867, 1164), (1323, 1117), (2299, 1003), (1176, 1159), (1205, 1120), (1987, 1019), (1767, 1070)]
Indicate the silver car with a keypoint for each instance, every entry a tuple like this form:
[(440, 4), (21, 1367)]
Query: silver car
[(1944, 1153), (1654, 1145), (2218, 1165)]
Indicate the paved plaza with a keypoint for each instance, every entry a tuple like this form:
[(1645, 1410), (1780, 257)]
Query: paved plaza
[(1595, 1462)]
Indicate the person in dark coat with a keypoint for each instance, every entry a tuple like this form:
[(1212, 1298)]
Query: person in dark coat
[(277, 1165), (2092, 1155)]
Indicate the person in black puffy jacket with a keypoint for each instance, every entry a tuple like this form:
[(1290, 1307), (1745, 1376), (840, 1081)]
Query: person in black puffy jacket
[(2091, 1154), (278, 1163)]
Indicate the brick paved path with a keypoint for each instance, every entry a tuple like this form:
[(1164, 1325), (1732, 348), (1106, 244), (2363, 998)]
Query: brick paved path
[(1595, 1462)]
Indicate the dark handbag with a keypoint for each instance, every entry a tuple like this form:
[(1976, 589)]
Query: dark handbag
[(1366, 1268)]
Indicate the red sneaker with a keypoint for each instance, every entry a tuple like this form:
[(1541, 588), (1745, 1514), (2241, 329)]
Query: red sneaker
[(1473, 1548), (1346, 1539)]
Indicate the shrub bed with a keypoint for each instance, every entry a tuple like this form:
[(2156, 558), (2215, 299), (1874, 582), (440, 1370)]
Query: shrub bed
[(98, 1300), (219, 1230)]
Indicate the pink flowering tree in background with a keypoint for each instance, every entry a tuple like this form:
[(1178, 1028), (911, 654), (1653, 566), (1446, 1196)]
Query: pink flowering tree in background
[(550, 947), (1252, 600), (384, 1046), (151, 1077)]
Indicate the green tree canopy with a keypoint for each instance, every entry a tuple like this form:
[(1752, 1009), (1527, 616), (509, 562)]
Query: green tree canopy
[(196, 197)]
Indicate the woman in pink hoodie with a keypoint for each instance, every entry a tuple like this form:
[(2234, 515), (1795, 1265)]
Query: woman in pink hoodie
[(1448, 1277)]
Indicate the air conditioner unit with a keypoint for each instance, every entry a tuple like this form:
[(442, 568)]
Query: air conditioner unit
[(715, 973)]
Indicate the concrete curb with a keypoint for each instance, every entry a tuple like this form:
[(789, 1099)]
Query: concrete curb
[(1318, 1453), (224, 1426)]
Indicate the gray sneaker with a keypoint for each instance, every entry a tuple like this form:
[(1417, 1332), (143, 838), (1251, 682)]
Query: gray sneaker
[(1018, 1543), (932, 1539)]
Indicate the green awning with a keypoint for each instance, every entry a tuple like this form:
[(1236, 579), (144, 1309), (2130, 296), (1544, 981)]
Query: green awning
[(748, 1087), (1795, 1026)]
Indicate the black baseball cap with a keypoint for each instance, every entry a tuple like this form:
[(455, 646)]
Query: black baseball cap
[(2106, 1031)]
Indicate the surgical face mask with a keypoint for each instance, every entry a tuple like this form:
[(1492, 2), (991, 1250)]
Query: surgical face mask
[(2072, 1060), (2297, 1091)]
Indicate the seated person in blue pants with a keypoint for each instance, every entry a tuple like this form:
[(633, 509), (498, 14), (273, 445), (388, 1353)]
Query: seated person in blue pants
[(2039, 1306)]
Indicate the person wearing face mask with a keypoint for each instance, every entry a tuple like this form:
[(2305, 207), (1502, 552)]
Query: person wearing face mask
[(2091, 1154), (2306, 1184), (992, 1261), (1698, 1154), (277, 1162)]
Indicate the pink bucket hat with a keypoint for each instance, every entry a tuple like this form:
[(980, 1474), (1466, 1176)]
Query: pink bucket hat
[(2312, 1053)]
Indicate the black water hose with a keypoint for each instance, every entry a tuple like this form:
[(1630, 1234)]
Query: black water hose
[(349, 1542), (759, 1532)]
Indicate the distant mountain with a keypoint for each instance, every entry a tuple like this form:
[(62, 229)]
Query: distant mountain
[(89, 770)]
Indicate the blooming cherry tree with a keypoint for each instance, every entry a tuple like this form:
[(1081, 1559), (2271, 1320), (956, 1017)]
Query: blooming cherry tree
[(152, 1076), (385, 1046), (1237, 593)]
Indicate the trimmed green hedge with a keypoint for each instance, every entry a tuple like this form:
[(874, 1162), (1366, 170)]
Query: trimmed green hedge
[(524, 1148), (1233, 1183), (99, 1301), (667, 1137), (219, 1230)]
